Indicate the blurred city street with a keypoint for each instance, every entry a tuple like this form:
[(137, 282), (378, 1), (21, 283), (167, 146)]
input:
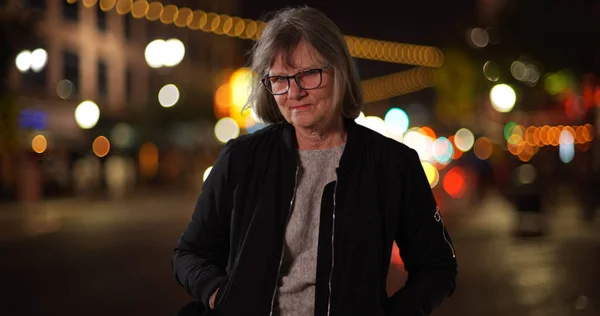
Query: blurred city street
[(113, 113), (74, 257)]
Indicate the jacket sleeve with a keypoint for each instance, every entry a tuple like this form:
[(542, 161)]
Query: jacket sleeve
[(425, 247), (202, 251)]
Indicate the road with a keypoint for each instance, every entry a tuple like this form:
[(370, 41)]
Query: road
[(75, 257)]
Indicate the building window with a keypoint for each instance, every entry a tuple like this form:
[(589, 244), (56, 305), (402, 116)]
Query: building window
[(34, 79), (71, 11), (71, 68), (102, 79), (34, 4), (127, 25), (128, 85), (100, 19)]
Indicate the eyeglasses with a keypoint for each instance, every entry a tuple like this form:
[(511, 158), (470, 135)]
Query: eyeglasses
[(307, 80)]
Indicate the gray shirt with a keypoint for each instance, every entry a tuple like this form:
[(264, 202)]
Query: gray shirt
[(296, 291)]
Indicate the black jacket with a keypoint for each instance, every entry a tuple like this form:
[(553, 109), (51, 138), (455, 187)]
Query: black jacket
[(234, 240)]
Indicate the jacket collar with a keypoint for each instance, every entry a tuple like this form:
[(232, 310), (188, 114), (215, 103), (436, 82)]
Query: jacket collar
[(354, 142)]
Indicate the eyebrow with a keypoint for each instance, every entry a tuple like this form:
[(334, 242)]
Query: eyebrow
[(269, 74)]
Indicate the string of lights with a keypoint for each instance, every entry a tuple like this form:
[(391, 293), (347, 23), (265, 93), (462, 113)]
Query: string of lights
[(375, 89), (396, 84), (248, 29)]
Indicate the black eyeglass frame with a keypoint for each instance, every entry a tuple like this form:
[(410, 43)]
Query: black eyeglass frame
[(265, 79)]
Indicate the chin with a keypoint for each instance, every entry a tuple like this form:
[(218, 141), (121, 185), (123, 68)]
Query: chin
[(303, 123), (303, 120)]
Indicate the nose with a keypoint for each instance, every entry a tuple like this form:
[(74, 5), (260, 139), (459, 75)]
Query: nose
[(295, 92)]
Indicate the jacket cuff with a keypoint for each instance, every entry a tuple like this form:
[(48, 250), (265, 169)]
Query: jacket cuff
[(205, 290)]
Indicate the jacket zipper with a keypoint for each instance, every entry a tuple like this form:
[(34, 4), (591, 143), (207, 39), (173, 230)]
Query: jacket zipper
[(438, 218), (332, 246), (283, 242)]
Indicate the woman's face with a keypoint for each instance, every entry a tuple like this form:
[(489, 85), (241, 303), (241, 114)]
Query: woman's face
[(314, 108)]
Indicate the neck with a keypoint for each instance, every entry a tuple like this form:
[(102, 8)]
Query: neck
[(331, 136)]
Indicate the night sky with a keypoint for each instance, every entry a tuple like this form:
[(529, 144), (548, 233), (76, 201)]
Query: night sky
[(557, 33)]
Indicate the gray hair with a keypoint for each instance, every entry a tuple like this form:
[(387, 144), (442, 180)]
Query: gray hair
[(282, 35)]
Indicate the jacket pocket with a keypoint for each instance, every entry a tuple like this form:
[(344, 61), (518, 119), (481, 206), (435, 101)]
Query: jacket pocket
[(221, 294)]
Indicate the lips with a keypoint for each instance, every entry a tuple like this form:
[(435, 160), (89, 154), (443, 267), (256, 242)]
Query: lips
[(299, 107)]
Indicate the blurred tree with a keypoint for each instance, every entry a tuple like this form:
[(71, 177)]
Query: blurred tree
[(456, 89), (15, 28)]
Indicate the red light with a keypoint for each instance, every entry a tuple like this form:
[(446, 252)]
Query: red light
[(574, 107), (456, 153), (454, 182), (427, 131)]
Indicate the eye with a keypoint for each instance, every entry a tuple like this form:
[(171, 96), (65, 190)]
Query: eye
[(310, 72), (277, 79)]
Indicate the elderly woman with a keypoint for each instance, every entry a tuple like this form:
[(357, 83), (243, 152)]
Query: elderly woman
[(300, 217)]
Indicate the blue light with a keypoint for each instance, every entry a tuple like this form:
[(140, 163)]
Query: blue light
[(257, 126), (396, 121), (33, 119)]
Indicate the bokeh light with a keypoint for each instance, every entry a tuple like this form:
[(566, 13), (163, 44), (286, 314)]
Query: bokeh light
[(515, 144), (566, 149), (168, 95), (23, 61), (139, 9), (376, 123), (360, 119), (464, 139), (518, 70), (508, 129), (525, 174), (478, 37), (64, 89), (39, 144), (175, 52), (396, 121), (482, 148), (87, 114), (421, 143), (433, 175), (526, 153), (101, 146), (39, 58), (555, 83), (206, 173), (588, 132), (226, 129), (491, 71), (148, 160), (161, 53), (457, 152), (503, 98), (455, 182), (442, 150), (122, 135), (154, 53), (222, 101), (240, 85), (36, 60), (427, 131)]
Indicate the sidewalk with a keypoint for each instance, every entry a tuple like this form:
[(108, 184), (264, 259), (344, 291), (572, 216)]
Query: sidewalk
[(501, 274), (493, 216), (27, 220), (497, 216)]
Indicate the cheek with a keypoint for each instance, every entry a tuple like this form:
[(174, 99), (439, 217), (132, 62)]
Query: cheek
[(280, 101), (325, 100), (281, 105)]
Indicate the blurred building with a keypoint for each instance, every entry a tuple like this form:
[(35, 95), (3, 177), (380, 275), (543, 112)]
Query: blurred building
[(77, 51)]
